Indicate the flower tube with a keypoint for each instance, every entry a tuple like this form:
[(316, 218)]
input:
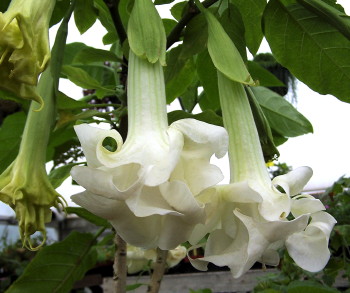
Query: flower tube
[(24, 185), (24, 46), (247, 219), (147, 187)]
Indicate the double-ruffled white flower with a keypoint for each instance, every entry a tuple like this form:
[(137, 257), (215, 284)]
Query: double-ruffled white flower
[(147, 187), (247, 219)]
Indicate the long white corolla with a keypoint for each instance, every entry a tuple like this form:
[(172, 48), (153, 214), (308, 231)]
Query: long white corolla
[(147, 187), (247, 219)]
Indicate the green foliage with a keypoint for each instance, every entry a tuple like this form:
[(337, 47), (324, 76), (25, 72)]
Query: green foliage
[(282, 116), (10, 138), (83, 213), (252, 11), (13, 260), (309, 47), (58, 266), (84, 15)]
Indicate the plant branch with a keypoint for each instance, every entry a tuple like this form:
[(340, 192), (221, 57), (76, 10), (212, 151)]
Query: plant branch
[(193, 10), (158, 271), (120, 268), (113, 9)]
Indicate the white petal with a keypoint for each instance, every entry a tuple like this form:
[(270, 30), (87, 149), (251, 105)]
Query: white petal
[(203, 138), (141, 232), (102, 182), (91, 139), (177, 194), (201, 141), (307, 205), (294, 182), (149, 201), (275, 205), (309, 248), (175, 256), (161, 172)]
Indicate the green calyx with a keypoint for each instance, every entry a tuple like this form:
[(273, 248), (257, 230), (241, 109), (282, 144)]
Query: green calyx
[(146, 33), (24, 46), (25, 187)]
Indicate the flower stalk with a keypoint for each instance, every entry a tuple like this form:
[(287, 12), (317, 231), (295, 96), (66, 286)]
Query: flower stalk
[(119, 266), (158, 271)]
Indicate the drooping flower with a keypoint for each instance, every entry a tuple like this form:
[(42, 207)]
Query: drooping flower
[(247, 219), (147, 187), (24, 46), (24, 185)]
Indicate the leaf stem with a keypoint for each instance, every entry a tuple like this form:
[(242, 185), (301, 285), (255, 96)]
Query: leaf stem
[(120, 268), (193, 10), (158, 271)]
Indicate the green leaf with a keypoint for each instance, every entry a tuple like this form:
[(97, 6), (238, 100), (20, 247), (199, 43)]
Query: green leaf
[(66, 103), (252, 11), (169, 24), (306, 286), (178, 9), (104, 16), (4, 4), (208, 116), (231, 21), (146, 32), (81, 78), (71, 50), (263, 76), (57, 267), (59, 11), (67, 117), (59, 46), (91, 55), (58, 175), (338, 19), (84, 15), (208, 77), (10, 138), (161, 2), (224, 53), (312, 49), (85, 214), (195, 36), (282, 116), (179, 74), (189, 99), (265, 134), (134, 286)]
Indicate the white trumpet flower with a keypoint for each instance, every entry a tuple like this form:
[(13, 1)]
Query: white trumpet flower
[(147, 187), (247, 219)]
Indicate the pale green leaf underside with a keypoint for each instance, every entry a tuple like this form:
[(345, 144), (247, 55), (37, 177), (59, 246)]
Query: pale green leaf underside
[(313, 50)]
